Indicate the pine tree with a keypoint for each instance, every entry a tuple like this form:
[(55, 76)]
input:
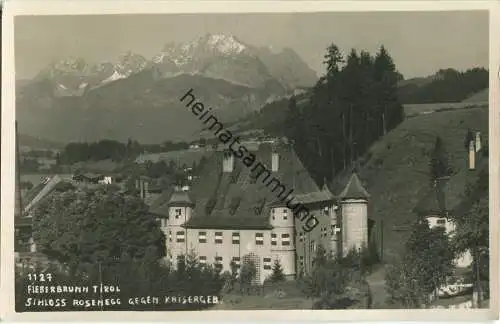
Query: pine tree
[(333, 60), (277, 274), (386, 77), (439, 165)]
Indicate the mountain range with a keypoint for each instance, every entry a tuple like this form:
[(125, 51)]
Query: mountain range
[(74, 100)]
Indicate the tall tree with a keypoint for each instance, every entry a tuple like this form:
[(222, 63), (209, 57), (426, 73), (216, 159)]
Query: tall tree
[(439, 163), (428, 260), (386, 77), (87, 226), (472, 231), (277, 274)]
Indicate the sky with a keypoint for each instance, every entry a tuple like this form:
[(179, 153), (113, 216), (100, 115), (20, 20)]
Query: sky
[(419, 42)]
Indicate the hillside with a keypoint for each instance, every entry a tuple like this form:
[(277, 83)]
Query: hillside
[(446, 85), (481, 96), (395, 170), (26, 141)]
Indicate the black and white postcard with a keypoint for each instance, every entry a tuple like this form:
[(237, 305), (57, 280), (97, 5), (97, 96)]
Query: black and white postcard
[(179, 160)]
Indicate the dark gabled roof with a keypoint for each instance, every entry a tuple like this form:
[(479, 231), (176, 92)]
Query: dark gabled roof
[(354, 189), (238, 199), (159, 206), (314, 197)]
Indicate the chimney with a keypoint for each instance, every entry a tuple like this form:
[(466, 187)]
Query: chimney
[(478, 141), (275, 161), (228, 162), (472, 156)]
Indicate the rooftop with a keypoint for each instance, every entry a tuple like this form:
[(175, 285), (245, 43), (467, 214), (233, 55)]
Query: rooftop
[(238, 199), (354, 189)]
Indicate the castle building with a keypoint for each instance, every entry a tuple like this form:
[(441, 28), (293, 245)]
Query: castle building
[(232, 214)]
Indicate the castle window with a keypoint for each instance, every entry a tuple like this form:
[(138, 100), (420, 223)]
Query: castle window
[(301, 236), (180, 237), (301, 261), (202, 237), (267, 264), (170, 236), (203, 259), (285, 212), (274, 239), (285, 239), (236, 238), (236, 261), (218, 237), (273, 212), (218, 262), (326, 210), (178, 213), (259, 239), (324, 231)]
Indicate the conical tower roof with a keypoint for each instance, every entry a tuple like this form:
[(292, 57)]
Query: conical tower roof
[(180, 198), (354, 189)]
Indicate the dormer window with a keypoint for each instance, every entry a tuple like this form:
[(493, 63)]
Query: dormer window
[(326, 210)]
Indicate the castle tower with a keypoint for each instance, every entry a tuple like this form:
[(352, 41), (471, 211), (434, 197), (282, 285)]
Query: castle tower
[(180, 208), (354, 208), (283, 237)]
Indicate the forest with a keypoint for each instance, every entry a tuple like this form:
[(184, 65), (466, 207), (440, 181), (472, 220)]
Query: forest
[(350, 107)]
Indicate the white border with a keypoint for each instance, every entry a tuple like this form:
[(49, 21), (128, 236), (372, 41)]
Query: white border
[(47, 7)]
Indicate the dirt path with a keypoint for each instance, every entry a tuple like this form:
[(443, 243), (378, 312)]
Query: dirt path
[(376, 280)]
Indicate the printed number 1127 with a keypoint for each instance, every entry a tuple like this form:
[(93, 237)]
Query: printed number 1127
[(40, 277)]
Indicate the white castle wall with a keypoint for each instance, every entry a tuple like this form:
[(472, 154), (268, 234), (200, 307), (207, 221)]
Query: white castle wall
[(354, 224)]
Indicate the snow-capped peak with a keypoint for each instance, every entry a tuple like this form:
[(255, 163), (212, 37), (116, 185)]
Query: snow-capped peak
[(115, 76), (225, 44)]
